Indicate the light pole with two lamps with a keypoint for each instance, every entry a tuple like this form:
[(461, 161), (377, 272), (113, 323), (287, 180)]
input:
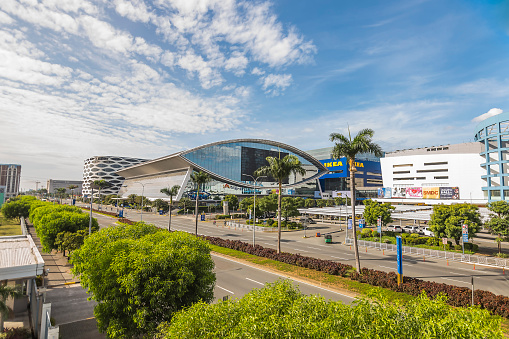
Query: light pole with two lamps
[(254, 202), (142, 193)]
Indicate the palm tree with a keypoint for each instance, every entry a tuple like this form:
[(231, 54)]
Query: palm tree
[(72, 187), (171, 192), (280, 169), (6, 292), (100, 184), (346, 147), (61, 192), (199, 178)]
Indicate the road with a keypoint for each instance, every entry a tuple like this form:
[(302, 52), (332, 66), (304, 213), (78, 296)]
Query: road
[(453, 273)]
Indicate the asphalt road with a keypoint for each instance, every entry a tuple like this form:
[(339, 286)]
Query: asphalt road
[(453, 273)]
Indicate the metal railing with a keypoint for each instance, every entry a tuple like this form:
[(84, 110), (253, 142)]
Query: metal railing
[(426, 252), (236, 225)]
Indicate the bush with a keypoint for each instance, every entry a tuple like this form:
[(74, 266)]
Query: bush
[(471, 247), (433, 242), (270, 222), (457, 247), (223, 216), (366, 233), (16, 333)]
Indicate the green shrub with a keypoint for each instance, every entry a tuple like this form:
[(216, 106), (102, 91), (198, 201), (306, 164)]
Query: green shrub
[(366, 233), (270, 222), (433, 242), (457, 247)]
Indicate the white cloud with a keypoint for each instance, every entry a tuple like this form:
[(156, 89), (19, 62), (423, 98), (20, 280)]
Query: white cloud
[(276, 83), (490, 113), (5, 19), (194, 63), (257, 71), (135, 10), (236, 63)]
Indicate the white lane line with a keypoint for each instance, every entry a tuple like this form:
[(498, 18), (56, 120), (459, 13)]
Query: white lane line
[(256, 281), (225, 289), (455, 280), (299, 250), (391, 268), (339, 258), (314, 248), (284, 276)]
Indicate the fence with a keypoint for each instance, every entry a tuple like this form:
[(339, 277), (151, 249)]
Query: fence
[(35, 305), (426, 252), (236, 225)]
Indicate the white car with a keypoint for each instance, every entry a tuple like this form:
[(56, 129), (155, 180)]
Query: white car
[(427, 232), (411, 229), (395, 229)]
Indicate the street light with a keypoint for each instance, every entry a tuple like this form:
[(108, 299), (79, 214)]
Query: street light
[(142, 192), (254, 202)]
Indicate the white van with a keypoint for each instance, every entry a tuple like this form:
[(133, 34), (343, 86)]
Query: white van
[(427, 232)]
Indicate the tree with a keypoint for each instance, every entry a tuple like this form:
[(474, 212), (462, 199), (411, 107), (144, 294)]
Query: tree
[(100, 185), (233, 202), (183, 202), (199, 179), (320, 203), (330, 203), (140, 276), (131, 198), (18, 207), (310, 203), (342, 201), (349, 148), (72, 188), (299, 202), (289, 207), (375, 209), (70, 241), (61, 192), (280, 169), (246, 204), (446, 220), (499, 222), (171, 192), (267, 204), (280, 310), (6, 292)]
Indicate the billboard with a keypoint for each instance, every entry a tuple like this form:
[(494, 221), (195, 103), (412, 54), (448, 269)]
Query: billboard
[(413, 192), (449, 193), (431, 193), (399, 192), (387, 193), (381, 193)]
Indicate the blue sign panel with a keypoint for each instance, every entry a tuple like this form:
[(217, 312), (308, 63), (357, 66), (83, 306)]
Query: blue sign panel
[(202, 217), (464, 231), (362, 223), (349, 224), (399, 254)]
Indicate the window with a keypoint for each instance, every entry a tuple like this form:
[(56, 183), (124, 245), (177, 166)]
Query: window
[(435, 163), (442, 177), (420, 178), (433, 170), (492, 129), (400, 172), (411, 178), (403, 165)]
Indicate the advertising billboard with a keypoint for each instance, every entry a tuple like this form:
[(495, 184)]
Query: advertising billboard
[(381, 193), (413, 192), (431, 193), (449, 193), (399, 192), (387, 192)]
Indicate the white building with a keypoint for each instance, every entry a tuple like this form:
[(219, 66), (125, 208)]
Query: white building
[(431, 175)]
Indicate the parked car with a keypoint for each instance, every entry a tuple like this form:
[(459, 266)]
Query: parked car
[(307, 220), (411, 229), (427, 232), (395, 229)]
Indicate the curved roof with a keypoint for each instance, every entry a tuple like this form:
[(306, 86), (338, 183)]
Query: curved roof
[(221, 160)]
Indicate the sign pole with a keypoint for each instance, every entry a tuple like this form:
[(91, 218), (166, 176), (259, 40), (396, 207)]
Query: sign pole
[(472, 290), (399, 257), (379, 229)]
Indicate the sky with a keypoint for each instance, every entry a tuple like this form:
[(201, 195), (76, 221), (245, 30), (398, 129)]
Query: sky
[(145, 79)]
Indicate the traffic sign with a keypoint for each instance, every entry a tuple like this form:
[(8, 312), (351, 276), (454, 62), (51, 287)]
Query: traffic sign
[(464, 232), (349, 224), (379, 225), (444, 241), (362, 223)]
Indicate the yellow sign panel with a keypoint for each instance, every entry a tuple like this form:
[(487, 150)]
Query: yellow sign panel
[(431, 192)]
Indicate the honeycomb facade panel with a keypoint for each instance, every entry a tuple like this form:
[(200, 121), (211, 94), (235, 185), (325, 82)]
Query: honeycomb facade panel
[(104, 168)]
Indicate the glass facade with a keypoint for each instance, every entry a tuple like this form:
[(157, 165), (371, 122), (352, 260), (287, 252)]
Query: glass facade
[(233, 159)]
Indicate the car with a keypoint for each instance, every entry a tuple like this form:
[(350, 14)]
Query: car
[(411, 229), (307, 220), (427, 232), (395, 229)]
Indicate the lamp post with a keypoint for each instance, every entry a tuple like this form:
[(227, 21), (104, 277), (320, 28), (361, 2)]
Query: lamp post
[(142, 192), (91, 200), (254, 202)]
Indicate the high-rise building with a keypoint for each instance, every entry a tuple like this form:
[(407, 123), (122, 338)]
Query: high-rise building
[(104, 168), (10, 175), (52, 186)]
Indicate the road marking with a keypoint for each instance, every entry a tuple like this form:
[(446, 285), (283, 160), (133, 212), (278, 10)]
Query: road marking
[(284, 276), (256, 281), (314, 248), (464, 282), (225, 289), (391, 268), (300, 250), (339, 258)]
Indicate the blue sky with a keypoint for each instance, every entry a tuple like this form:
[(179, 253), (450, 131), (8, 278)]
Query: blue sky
[(148, 78)]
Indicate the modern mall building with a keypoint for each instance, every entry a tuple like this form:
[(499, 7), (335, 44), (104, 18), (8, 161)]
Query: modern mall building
[(368, 177), (10, 175), (52, 185), (431, 175), (104, 168), (493, 136), (230, 165)]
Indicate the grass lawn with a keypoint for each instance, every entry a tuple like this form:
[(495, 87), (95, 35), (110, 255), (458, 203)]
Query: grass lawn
[(9, 226)]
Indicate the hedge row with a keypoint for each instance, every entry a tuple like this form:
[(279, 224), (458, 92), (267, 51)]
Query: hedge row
[(457, 296), (328, 266)]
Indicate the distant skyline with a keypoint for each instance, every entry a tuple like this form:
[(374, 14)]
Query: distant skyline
[(145, 79)]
